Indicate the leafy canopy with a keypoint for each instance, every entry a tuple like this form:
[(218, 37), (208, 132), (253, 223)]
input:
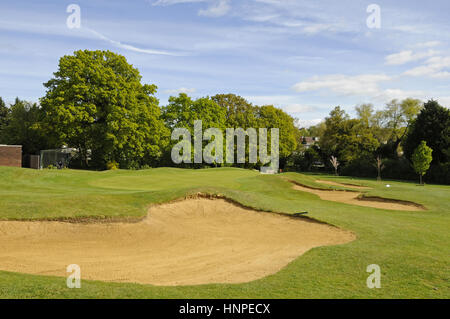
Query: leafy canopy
[(348, 139), (239, 112), (96, 101), (432, 126), (271, 117), (4, 111), (22, 127)]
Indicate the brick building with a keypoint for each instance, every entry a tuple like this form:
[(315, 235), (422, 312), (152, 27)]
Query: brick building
[(11, 155)]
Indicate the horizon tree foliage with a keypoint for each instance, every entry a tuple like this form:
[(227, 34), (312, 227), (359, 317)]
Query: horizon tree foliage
[(242, 114), (21, 126), (182, 111), (365, 112), (4, 112), (421, 159), (96, 102), (398, 129), (396, 118), (357, 142), (390, 124), (432, 125), (239, 112), (347, 139), (268, 116), (230, 111)]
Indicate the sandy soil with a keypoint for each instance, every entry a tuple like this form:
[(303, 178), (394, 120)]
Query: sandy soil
[(195, 241), (352, 198), (342, 184)]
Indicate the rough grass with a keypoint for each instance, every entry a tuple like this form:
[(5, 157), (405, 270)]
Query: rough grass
[(412, 248)]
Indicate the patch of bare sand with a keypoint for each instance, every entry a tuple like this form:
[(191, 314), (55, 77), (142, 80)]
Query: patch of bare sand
[(194, 241), (342, 184), (354, 198)]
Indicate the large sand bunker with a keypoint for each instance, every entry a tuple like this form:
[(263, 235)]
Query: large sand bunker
[(355, 198), (342, 184), (194, 241)]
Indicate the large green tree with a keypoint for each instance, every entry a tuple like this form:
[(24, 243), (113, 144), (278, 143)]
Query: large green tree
[(389, 125), (316, 130), (365, 112), (182, 111), (334, 129), (347, 139), (96, 101), (432, 126), (395, 120), (239, 112), (242, 114), (271, 117)]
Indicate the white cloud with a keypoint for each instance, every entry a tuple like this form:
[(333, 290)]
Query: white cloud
[(320, 27), (288, 103), (413, 29), (365, 85), (428, 44), (172, 2), (308, 123), (299, 108), (408, 56), (303, 59), (180, 90), (128, 46), (444, 101), (218, 9), (263, 18), (391, 94), (434, 67)]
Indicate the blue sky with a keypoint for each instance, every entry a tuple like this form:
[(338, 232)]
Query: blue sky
[(303, 56)]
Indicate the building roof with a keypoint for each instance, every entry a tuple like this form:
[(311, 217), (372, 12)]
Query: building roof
[(309, 140)]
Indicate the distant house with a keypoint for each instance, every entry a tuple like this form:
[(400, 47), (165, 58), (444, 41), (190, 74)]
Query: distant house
[(309, 141)]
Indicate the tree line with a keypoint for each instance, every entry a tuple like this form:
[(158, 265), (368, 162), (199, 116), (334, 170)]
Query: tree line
[(383, 143), (96, 102)]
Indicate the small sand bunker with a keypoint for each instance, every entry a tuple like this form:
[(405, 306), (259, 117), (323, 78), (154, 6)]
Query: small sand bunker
[(342, 184), (194, 241), (354, 198)]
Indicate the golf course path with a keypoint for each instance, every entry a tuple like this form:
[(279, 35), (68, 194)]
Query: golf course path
[(188, 242)]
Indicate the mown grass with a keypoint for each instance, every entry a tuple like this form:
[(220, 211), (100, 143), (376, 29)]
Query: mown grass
[(412, 248)]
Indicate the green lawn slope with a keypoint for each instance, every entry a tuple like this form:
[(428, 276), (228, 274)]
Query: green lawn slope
[(412, 248)]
